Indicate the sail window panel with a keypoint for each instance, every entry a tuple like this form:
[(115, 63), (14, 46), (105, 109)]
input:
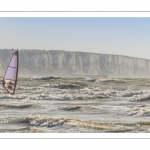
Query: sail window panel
[(10, 74)]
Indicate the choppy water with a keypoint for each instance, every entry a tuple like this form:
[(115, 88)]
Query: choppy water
[(76, 104)]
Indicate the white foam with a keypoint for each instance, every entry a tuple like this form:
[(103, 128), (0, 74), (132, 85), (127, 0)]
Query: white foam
[(44, 77), (139, 112), (141, 97)]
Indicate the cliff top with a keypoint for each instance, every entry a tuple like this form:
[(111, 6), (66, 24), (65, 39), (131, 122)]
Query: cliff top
[(41, 51)]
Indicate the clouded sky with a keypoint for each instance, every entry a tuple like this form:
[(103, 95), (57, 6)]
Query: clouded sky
[(121, 36)]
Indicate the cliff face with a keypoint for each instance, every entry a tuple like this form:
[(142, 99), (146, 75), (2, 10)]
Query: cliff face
[(41, 62)]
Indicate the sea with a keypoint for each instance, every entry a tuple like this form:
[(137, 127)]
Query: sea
[(55, 104)]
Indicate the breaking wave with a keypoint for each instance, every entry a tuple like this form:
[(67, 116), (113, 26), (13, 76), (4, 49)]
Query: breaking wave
[(49, 122), (141, 98), (66, 97), (29, 129), (70, 108), (139, 112), (18, 105), (91, 80), (66, 86), (38, 120), (131, 93), (111, 80), (45, 78), (3, 96)]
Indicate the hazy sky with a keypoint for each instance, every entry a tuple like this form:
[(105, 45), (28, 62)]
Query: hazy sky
[(122, 36)]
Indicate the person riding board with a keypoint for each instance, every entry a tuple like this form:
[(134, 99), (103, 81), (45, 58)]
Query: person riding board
[(8, 84)]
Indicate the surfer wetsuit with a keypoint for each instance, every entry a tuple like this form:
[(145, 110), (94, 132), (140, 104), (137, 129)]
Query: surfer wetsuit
[(4, 82)]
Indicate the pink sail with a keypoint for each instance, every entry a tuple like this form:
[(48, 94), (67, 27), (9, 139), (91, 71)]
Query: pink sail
[(11, 75)]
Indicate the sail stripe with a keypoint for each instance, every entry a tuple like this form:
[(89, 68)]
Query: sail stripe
[(12, 67)]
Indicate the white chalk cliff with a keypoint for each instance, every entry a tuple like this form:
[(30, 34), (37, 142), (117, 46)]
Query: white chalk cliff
[(57, 62)]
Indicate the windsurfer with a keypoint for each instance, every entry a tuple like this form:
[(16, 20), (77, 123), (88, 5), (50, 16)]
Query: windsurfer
[(11, 74), (8, 84)]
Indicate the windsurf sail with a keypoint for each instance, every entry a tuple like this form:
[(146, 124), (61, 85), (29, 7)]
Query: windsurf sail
[(11, 74)]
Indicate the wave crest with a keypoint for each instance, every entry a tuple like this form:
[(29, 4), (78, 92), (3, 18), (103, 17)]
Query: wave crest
[(18, 105)]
